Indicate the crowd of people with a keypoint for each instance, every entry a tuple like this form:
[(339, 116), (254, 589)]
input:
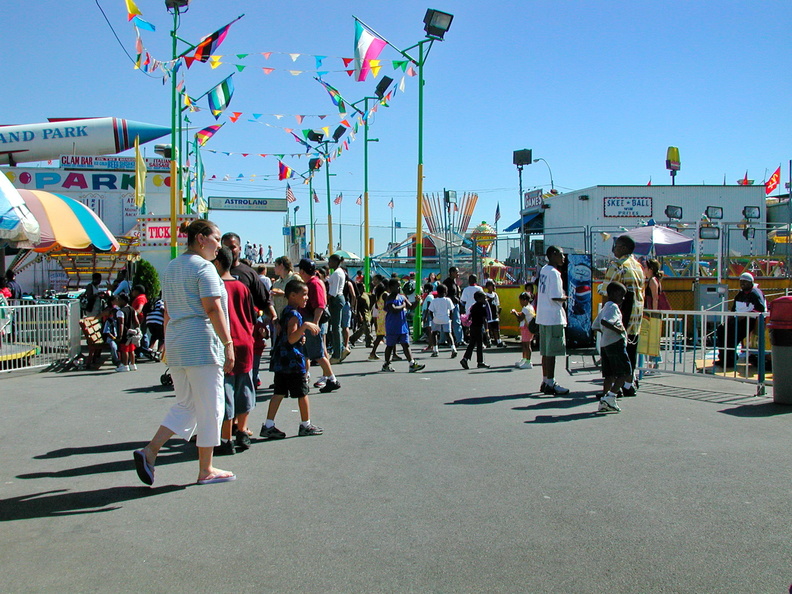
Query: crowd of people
[(218, 312)]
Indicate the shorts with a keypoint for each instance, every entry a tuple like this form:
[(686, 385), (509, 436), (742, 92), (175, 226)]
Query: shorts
[(394, 339), (291, 385), (126, 348), (494, 325), (439, 327), (240, 396), (157, 332), (615, 362), (314, 345), (525, 334), (552, 342), (346, 315)]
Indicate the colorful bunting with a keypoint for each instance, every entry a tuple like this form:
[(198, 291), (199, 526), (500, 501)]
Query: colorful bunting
[(338, 100), (132, 10), (284, 172), (204, 135), (220, 96), (207, 46), (141, 24)]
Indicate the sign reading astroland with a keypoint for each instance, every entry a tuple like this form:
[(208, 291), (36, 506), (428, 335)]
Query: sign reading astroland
[(232, 203)]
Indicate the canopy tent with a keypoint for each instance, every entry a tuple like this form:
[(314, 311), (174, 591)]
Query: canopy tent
[(659, 240), (67, 224), (18, 226), (525, 221), (346, 255)]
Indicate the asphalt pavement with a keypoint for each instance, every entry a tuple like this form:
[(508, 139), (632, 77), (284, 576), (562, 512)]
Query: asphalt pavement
[(439, 481)]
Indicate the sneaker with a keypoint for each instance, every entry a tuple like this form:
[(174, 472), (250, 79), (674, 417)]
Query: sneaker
[(122, 368), (242, 441), (309, 430), (226, 448), (519, 363), (607, 404), (374, 357), (334, 360), (320, 383), (345, 354), (525, 364), (554, 390), (435, 354), (483, 366), (271, 432), (133, 367), (427, 349), (454, 353), (415, 366), (387, 367), (330, 386), (627, 392), (501, 345)]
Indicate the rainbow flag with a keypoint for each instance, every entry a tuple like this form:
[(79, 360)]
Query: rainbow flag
[(220, 97), (284, 172), (368, 46), (204, 135), (338, 100), (207, 46)]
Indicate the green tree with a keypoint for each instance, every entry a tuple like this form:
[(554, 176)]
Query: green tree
[(146, 275)]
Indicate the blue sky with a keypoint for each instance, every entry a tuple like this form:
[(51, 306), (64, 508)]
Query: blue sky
[(598, 89)]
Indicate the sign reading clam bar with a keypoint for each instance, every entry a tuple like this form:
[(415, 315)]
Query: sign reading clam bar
[(627, 207), (228, 203)]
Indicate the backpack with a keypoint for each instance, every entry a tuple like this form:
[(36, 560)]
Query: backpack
[(409, 287)]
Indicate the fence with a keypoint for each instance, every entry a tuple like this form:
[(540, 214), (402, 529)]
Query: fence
[(36, 334), (695, 342)]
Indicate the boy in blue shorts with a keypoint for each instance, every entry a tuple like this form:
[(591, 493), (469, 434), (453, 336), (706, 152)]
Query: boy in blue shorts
[(396, 329), (288, 363), (616, 368)]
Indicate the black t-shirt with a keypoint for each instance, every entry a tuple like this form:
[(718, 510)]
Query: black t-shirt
[(453, 290), (259, 294)]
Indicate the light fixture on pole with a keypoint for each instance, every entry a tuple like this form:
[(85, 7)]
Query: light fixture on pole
[(552, 186), (520, 159)]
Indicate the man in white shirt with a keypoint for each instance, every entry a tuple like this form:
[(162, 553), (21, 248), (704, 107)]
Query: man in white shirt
[(468, 297), (335, 303), (551, 318)]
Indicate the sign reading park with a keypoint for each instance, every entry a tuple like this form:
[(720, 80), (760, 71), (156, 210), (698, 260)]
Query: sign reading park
[(628, 207), (230, 203)]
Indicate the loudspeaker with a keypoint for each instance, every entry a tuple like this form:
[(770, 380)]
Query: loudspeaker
[(314, 136), (383, 86), (339, 132), (523, 157)]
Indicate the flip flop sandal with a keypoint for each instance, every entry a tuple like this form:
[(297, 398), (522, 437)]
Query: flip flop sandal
[(145, 471), (213, 478)]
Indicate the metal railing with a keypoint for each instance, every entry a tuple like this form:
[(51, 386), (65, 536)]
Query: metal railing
[(36, 334), (721, 344)]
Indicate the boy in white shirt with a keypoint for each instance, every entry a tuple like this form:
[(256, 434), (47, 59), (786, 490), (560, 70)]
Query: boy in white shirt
[(616, 368), (441, 308)]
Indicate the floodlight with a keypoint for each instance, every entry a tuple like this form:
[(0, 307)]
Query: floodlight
[(673, 212), (436, 23), (751, 212), (714, 212)]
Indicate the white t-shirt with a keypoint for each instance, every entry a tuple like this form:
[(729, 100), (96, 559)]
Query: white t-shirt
[(529, 313), (191, 338), (335, 283), (548, 311), (441, 308), (468, 295), (610, 313)]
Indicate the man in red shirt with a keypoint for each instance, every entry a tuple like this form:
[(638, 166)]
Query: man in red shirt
[(313, 312)]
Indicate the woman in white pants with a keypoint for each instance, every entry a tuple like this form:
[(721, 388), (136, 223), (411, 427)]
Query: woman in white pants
[(199, 350)]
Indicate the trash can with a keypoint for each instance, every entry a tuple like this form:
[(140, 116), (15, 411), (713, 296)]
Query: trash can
[(780, 326)]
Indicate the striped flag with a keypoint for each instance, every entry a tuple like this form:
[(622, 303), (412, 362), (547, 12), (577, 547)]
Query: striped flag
[(390, 204), (207, 46), (220, 97), (315, 196), (497, 213), (284, 172), (290, 197), (359, 201), (338, 199), (338, 100), (367, 48), (204, 135)]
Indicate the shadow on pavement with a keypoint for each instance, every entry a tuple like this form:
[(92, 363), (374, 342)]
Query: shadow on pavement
[(765, 409), (488, 399), (124, 446), (543, 419), (60, 502), (555, 402), (124, 465), (151, 389)]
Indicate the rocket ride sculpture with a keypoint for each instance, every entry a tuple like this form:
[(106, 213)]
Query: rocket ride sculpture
[(86, 136)]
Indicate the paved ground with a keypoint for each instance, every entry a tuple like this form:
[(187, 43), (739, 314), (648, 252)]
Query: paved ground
[(442, 481)]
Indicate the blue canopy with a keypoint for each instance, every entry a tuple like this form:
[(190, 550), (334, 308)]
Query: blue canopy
[(526, 218)]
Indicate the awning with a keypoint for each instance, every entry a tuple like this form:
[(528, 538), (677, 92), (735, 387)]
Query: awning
[(67, 224), (18, 226), (524, 221)]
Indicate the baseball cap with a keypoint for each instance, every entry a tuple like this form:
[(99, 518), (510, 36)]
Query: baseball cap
[(747, 276), (307, 266)]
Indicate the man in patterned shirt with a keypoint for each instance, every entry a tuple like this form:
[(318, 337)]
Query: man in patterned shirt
[(627, 271)]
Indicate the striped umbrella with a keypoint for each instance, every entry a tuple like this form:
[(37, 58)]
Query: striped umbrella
[(18, 226), (67, 224)]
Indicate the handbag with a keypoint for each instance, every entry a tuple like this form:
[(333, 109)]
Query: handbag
[(533, 327), (662, 301), (325, 316)]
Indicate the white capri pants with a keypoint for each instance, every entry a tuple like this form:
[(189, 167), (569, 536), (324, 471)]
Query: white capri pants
[(200, 402)]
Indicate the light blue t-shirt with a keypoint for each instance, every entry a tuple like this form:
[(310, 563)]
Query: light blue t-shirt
[(189, 338)]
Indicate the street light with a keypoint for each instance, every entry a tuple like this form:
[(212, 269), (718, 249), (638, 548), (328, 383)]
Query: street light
[(552, 187)]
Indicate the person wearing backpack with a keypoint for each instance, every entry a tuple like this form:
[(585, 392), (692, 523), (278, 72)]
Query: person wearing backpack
[(128, 333)]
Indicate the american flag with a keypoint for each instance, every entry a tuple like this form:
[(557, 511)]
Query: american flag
[(290, 197), (390, 204), (359, 201), (316, 197), (338, 199), (497, 213)]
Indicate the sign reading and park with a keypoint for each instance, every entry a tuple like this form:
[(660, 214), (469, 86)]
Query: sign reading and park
[(627, 207), (265, 204)]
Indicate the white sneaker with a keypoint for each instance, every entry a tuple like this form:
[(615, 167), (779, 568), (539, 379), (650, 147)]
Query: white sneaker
[(133, 367), (608, 404), (321, 382), (525, 364), (122, 368), (519, 363)]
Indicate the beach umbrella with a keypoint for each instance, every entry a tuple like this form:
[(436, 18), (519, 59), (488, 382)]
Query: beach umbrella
[(67, 224), (18, 226), (346, 255), (659, 240)]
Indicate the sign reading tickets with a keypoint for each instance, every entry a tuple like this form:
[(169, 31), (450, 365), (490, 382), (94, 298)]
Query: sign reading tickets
[(628, 207), (267, 204)]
